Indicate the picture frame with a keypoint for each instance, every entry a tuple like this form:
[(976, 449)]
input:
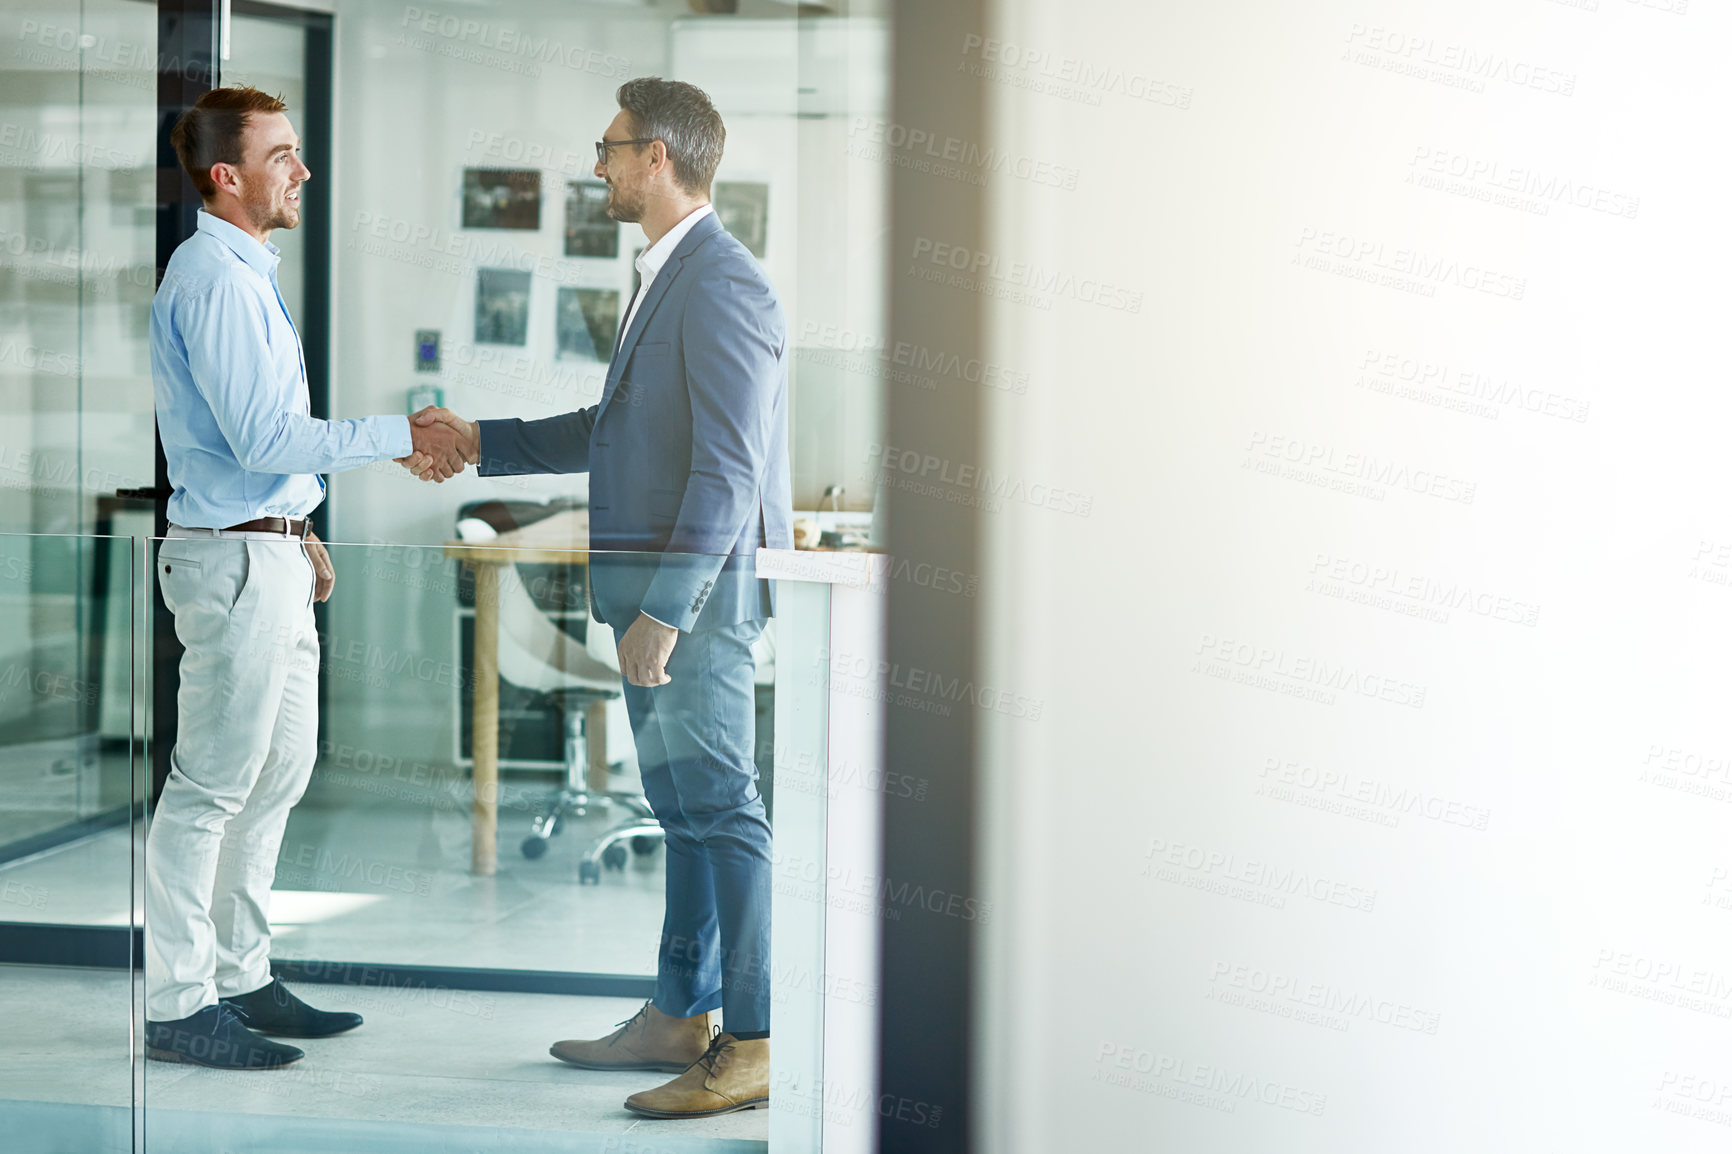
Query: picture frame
[(503, 198), (501, 307)]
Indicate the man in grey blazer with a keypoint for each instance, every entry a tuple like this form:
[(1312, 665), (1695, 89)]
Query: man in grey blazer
[(687, 454)]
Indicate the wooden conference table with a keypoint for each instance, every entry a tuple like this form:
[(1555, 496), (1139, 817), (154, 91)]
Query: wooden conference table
[(562, 539)]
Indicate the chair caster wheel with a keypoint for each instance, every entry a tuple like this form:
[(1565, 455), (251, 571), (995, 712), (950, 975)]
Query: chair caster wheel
[(588, 873), (534, 847), (643, 845), (613, 857)]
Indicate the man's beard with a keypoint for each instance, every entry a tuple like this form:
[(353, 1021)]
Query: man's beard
[(622, 209), (268, 216)]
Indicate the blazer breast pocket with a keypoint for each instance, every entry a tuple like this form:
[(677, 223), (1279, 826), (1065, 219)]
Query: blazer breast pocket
[(647, 349)]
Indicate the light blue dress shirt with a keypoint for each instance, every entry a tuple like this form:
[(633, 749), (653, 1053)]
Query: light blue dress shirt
[(231, 390)]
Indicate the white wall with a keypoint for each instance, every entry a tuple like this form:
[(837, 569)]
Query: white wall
[(1509, 894)]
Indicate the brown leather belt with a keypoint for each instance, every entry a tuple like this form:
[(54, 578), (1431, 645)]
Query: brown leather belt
[(287, 526)]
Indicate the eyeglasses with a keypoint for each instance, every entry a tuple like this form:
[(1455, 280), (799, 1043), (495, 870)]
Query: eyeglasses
[(601, 147)]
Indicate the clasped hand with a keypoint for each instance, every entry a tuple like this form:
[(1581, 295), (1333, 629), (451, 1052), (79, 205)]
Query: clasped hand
[(443, 443)]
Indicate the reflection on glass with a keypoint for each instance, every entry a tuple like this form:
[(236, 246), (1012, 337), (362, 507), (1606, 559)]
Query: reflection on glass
[(77, 218), (501, 307), (66, 790), (51, 209), (77, 102), (745, 211), (65, 691), (77, 98), (589, 230), (588, 323)]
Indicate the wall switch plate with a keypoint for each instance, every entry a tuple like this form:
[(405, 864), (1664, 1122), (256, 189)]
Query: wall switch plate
[(426, 350)]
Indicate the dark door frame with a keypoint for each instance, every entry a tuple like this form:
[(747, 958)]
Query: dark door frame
[(188, 33)]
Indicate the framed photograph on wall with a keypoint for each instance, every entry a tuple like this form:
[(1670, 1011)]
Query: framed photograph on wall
[(586, 324), (744, 209), (502, 198), (501, 307), (589, 230)]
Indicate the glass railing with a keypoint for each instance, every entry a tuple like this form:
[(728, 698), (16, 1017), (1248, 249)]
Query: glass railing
[(430, 802), (450, 817), (70, 782)]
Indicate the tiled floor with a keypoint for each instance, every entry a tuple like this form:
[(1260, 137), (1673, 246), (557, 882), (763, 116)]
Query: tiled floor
[(475, 1059)]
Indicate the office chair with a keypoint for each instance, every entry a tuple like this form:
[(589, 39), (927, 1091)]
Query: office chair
[(536, 654), (640, 829), (643, 830)]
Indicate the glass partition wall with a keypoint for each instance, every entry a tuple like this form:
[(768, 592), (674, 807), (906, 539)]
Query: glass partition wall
[(77, 226), (474, 913), (77, 230), (474, 916), (465, 259)]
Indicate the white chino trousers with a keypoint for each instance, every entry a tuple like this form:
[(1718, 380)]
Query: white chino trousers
[(243, 753)]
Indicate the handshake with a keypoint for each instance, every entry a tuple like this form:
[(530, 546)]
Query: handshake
[(443, 444)]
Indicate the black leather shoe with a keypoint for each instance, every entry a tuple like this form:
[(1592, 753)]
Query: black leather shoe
[(216, 1038), (273, 1010)]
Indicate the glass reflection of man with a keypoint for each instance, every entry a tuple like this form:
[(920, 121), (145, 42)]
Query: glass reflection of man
[(240, 571)]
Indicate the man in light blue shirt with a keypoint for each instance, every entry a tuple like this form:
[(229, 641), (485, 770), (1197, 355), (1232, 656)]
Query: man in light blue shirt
[(240, 571), (231, 389)]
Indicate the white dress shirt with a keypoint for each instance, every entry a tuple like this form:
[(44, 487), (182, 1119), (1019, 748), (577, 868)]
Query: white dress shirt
[(650, 262)]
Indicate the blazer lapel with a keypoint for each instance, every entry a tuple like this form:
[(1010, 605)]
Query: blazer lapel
[(657, 290)]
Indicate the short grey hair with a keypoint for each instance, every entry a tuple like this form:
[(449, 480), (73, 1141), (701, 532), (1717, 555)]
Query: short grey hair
[(681, 116)]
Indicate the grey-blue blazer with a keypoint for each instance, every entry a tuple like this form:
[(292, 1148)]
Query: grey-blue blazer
[(687, 450)]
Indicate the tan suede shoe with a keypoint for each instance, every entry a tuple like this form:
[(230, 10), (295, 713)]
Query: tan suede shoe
[(732, 1075), (648, 1040)]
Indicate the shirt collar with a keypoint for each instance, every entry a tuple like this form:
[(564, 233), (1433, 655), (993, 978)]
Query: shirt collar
[(650, 260), (262, 257)]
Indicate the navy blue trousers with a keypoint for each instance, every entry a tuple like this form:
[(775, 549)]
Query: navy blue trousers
[(695, 741)]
